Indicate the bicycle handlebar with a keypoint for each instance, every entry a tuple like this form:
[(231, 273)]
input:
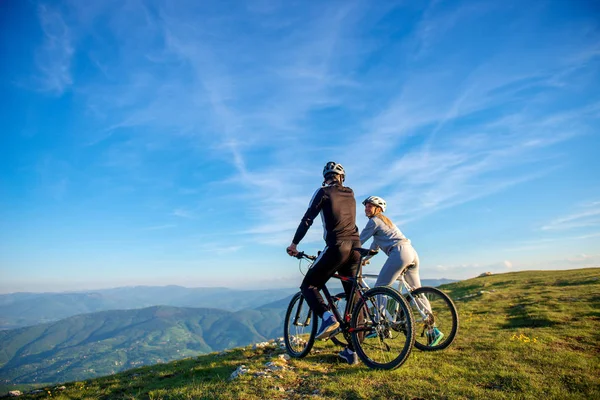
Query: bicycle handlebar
[(363, 253), (302, 255)]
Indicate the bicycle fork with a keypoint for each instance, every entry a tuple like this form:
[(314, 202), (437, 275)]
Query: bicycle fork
[(299, 312)]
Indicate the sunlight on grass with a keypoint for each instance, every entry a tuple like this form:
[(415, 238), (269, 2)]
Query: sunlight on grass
[(524, 338)]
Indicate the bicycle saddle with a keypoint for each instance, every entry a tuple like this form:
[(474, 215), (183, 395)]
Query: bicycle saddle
[(365, 252)]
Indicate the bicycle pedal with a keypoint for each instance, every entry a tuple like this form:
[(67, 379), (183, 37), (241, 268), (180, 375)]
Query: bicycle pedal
[(333, 333)]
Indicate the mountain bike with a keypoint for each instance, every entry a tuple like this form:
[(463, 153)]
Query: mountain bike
[(378, 322), (431, 309)]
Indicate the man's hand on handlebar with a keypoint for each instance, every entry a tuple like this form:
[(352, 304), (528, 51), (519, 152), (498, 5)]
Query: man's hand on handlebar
[(291, 250)]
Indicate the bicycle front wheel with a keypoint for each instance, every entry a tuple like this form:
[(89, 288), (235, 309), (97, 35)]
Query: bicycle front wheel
[(299, 327), (436, 318), (382, 328)]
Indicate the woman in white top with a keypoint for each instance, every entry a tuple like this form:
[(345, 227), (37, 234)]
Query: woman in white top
[(388, 238)]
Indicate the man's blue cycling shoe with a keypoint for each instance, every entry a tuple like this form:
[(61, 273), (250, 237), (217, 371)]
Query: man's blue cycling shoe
[(348, 356), (327, 327)]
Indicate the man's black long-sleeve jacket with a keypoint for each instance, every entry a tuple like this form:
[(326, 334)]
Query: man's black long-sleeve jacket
[(337, 206)]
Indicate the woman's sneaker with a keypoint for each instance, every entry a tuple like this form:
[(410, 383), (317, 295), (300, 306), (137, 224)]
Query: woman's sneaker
[(373, 334), (327, 327), (349, 356), (434, 337)]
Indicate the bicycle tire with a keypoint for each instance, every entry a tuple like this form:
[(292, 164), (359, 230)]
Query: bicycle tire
[(298, 341), (444, 317), (393, 331)]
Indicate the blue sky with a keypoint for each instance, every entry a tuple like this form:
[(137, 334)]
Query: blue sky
[(179, 142)]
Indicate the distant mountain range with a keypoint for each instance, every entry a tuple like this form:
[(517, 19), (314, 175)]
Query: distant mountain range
[(26, 309), (104, 342)]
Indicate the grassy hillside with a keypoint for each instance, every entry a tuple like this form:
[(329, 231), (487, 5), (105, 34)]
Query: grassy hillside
[(525, 335)]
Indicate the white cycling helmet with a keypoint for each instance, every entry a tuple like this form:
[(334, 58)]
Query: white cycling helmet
[(334, 168), (377, 201)]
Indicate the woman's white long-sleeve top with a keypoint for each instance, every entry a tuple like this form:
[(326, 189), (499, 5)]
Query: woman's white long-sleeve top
[(384, 237)]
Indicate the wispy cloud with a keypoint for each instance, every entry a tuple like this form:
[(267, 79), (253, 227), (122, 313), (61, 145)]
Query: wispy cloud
[(589, 235), (549, 242), (54, 55), (446, 165), (245, 99), (585, 217), (574, 261), (183, 213)]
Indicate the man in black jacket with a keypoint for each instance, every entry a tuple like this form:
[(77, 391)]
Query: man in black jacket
[(337, 206)]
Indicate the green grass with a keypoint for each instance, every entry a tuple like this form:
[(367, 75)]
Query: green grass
[(529, 335)]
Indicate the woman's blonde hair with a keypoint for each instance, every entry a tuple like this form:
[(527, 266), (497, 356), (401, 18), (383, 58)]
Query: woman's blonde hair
[(379, 213)]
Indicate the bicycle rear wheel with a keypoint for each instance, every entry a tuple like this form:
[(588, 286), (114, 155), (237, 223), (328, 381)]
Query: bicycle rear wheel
[(382, 328), (433, 309), (299, 327)]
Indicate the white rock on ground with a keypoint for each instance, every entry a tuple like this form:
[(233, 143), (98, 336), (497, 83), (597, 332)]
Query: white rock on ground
[(241, 370), (271, 366)]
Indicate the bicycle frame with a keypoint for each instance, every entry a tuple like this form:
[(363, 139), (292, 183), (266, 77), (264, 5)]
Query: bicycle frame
[(358, 287)]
